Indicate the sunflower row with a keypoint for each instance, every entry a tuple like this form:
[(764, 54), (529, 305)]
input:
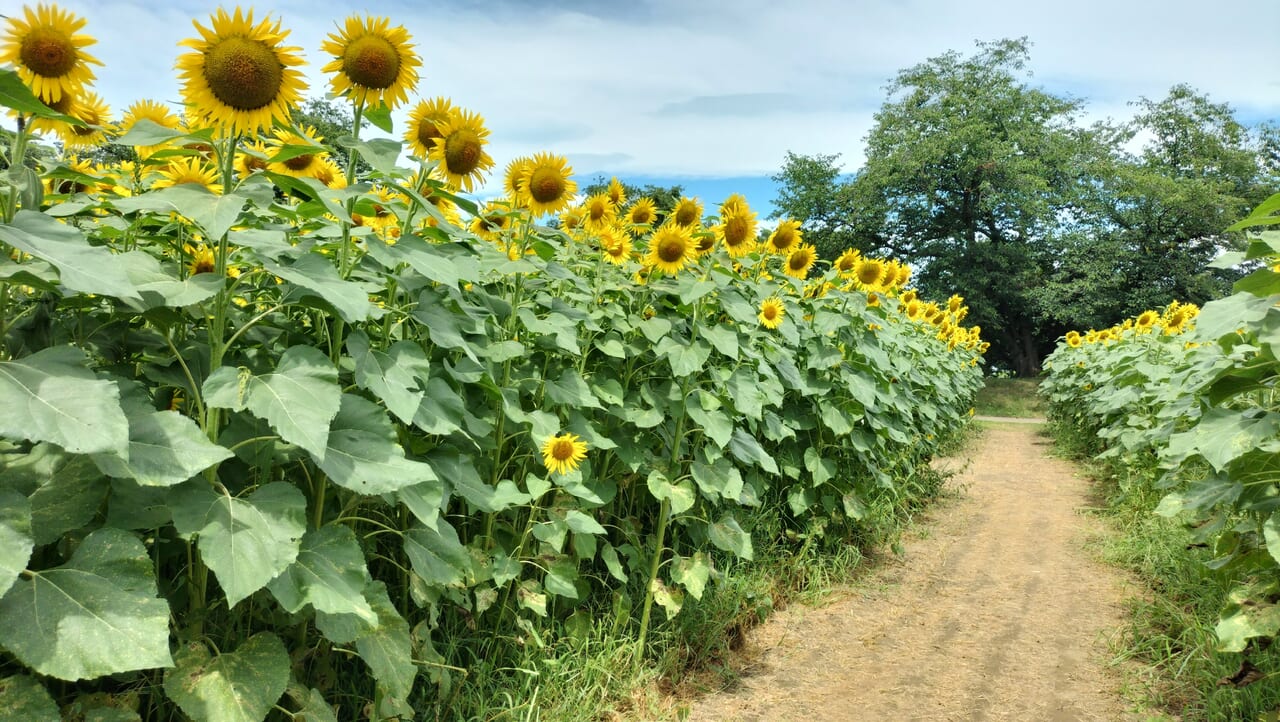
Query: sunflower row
[(1173, 320)]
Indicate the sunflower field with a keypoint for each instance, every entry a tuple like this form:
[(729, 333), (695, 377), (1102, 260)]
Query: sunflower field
[(280, 438), (1188, 398)]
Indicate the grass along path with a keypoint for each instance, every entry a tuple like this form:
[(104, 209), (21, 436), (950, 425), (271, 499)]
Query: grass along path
[(995, 611)]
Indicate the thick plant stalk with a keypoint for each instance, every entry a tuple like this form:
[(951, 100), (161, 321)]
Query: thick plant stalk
[(663, 514)]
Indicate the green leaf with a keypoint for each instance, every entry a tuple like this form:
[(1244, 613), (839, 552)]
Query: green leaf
[(158, 288), (214, 213), (393, 376), (562, 577), (15, 94), (460, 471), (362, 453), (65, 491), (1227, 315), (246, 542), (582, 523), (298, 399), (15, 537), (239, 686), (436, 554), (571, 390), (1270, 531), (388, 648), (98, 614), (165, 448), (612, 562), (379, 116), (52, 396), (724, 339), (746, 449), (146, 132), (1222, 434), (681, 496), (444, 326), (380, 153), (685, 359), (23, 697), (744, 389), (835, 418), (317, 274), (1251, 612), (718, 480), (715, 423), (821, 469), (726, 534), (691, 573), (312, 706), (329, 574), (671, 600), (428, 259)]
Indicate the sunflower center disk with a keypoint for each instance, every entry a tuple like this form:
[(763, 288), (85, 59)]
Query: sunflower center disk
[(685, 216), (245, 74), (462, 151), (798, 261), (48, 52), (546, 185), (563, 450), (372, 62), (671, 250), (735, 232), (300, 162)]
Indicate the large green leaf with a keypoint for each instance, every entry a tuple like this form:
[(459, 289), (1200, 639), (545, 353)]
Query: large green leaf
[(681, 495), (97, 614), (1228, 315), (15, 536), (65, 491), (52, 396), (82, 267), (158, 288), (1251, 612), (570, 389), (329, 574), (746, 449), (24, 699), (437, 555), (392, 375), (165, 448), (299, 399), (1224, 434), (1271, 532), (685, 359), (726, 534), (691, 573), (239, 686), (15, 94), (246, 542), (362, 453), (387, 647), (317, 275)]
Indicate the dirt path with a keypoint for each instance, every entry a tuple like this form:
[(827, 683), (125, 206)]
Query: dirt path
[(995, 612)]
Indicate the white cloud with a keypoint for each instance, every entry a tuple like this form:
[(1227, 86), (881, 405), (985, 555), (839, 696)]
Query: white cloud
[(698, 89)]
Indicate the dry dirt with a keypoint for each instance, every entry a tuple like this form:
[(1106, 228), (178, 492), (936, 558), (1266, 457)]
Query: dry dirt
[(996, 611)]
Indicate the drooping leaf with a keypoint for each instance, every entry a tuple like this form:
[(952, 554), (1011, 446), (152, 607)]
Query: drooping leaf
[(746, 449), (1224, 434), (571, 390), (158, 288), (317, 274), (691, 573), (239, 686), (329, 574), (299, 399), (561, 579), (386, 647), (363, 455), (165, 448), (15, 537), (81, 267), (436, 554), (726, 534), (685, 358), (246, 541), (97, 614), (52, 396), (669, 598), (392, 375), (22, 697)]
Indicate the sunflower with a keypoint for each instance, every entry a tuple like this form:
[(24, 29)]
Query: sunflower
[(328, 172), (383, 219), (643, 212), (703, 243), (561, 454), (424, 124), (617, 192), (571, 219), (784, 237), (299, 165), (734, 202), (869, 271), (908, 297), (671, 248), (189, 169), (904, 275), (493, 219), (616, 245), (47, 52), (771, 312), (251, 158), (913, 309), (1146, 320), (847, 262), (687, 213), (1073, 339), (514, 178), (68, 186), (154, 112), (91, 110), (239, 76), (373, 62), (737, 229), (548, 184), (800, 260), (598, 213), (955, 302), (459, 152), (202, 260), (448, 209)]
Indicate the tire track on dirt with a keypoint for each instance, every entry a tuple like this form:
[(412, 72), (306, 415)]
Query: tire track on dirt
[(996, 612)]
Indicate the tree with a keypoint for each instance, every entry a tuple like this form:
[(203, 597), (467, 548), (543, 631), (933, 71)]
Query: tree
[(811, 190), (332, 120), (663, 197), (968, 173)]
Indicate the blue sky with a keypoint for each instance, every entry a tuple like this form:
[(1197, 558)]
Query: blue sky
[(712, 95)]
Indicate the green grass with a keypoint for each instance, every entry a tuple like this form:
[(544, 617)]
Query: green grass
[(1009, 397)]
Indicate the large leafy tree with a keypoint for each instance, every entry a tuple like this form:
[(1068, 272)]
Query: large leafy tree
[(969, 172)]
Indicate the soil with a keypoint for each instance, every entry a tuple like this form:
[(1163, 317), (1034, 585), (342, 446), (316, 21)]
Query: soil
[(995, 610)]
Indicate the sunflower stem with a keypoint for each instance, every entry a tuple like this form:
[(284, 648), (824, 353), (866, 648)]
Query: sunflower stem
[(663, 513), (17, 161), (218, 327)]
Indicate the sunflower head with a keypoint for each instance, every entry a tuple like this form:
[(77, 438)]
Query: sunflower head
[(514, 178), (785, 237), (93, 112), (45, 47), (687, 213), (642, 213), (615, 243), (296, 154), (548, 184), (847, 262), (562, 453), (425, 119), (800, 260), (459, 152), (493, 219), (616, 192), (869, 271), (1146, 320), (671, 248), (154, 112), (737, 229), (771, 312), (373, 62), (239, 76), (189, 169)]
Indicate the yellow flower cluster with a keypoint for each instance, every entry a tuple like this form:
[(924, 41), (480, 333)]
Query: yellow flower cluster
[(1172, 320)]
